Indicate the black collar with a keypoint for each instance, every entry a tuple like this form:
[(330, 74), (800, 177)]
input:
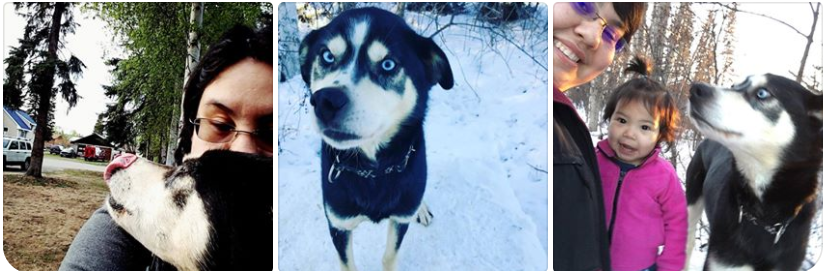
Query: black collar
[(775, 229), (370, 173)]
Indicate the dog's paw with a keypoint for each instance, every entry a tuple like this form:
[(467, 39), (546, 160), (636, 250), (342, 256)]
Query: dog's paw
[(424, 216)]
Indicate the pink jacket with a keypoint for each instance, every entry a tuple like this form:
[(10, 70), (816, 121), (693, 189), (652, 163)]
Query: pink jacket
[(651, 211)]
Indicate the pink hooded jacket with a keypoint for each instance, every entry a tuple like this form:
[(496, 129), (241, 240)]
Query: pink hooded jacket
[(651, 211)]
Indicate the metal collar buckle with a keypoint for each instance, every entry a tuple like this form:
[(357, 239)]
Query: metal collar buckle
[(776, 229)]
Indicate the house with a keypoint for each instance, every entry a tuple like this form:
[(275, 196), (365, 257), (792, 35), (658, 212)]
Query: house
[(17, 124), (57, 140)]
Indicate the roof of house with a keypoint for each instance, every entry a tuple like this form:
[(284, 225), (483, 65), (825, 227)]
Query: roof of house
[(23, 120), (93, 139)]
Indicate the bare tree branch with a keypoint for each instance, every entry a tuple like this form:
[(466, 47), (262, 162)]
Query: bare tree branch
[(761, 15), (536, 168), (494, 31), (451, 22), (810, 38)]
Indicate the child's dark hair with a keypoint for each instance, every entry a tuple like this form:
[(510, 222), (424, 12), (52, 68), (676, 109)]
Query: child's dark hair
[(652, 94)]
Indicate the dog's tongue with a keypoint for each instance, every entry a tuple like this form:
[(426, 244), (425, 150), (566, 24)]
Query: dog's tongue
[(119, 162)]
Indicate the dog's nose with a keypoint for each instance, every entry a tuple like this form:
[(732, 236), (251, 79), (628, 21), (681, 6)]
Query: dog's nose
[(121, 162), (699, 90), (327, 102)]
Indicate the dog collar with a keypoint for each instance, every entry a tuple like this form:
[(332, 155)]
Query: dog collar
[(776, 229), (338, 167)]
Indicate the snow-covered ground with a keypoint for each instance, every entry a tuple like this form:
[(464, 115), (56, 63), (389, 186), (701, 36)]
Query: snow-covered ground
[(487, 162)]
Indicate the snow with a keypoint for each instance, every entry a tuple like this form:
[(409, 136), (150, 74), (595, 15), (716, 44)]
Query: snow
[(487, 170)]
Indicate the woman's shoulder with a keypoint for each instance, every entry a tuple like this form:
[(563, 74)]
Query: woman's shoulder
[(101, 236)]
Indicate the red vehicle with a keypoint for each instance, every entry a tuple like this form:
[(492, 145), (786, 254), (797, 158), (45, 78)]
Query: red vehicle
[(91, 153)]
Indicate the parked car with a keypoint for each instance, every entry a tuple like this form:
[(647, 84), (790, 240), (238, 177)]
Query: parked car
[(17, 152), (68, 152), (55, 149)]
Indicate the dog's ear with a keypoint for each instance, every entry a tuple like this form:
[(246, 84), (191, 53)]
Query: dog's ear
[(436, 63), (305, 58)]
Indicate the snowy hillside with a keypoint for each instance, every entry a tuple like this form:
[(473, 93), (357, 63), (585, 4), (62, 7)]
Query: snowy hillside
[(487, 162)]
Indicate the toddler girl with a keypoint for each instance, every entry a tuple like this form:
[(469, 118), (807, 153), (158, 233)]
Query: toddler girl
[(643, 197)]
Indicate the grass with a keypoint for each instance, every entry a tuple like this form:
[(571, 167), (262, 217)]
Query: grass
[(42, 215), (45, 181)]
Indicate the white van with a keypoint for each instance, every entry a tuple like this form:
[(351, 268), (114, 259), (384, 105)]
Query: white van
[(17, 152)]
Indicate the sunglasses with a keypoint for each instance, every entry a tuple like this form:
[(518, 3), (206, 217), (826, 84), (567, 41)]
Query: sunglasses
[(610, 34)]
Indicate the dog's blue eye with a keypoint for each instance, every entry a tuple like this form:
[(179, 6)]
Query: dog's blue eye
[(762, 94), (327, 56), (388, 65)]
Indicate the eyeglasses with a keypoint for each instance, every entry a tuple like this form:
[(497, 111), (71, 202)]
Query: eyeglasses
[(215, 131), (610, 34)]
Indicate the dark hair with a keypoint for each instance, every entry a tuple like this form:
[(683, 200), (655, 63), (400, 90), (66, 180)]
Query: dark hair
[(236, 44), (655, 97), (632, 15)]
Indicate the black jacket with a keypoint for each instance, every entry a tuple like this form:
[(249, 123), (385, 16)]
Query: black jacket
[(579, 227)]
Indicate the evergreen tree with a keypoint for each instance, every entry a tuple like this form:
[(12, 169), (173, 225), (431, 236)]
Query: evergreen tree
[(48, 76)]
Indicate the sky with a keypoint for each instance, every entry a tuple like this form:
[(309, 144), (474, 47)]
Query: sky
[(765, 45), (90, 41)]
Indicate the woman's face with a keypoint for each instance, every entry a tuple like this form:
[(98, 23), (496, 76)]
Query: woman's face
[(241, 96), (582, 50)]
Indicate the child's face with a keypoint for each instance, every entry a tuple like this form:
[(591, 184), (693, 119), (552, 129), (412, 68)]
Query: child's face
[(633, 132)]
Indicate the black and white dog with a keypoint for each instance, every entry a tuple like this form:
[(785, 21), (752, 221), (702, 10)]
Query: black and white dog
[(756, 175), (214, 212), (370, 74)]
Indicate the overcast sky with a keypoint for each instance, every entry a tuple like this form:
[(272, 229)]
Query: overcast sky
[(88, 44), (766, 46)]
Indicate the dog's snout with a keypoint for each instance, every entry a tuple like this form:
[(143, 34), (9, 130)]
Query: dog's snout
[(700, 91), (327, 103), (120, 162)]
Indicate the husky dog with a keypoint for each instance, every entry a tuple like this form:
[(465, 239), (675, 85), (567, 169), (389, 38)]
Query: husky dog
[(211, 213), (369, 75), (756, 175)]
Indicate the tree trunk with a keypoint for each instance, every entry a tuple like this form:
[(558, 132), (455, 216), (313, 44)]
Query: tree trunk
[(657, 37), (193, 54), (808, 45), (596, 102), (288, 41), (45, 93), (343, 6), (399, 9)]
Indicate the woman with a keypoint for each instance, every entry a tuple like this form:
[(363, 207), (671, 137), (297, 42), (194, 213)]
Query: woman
[(586, 37), (231, 88)]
